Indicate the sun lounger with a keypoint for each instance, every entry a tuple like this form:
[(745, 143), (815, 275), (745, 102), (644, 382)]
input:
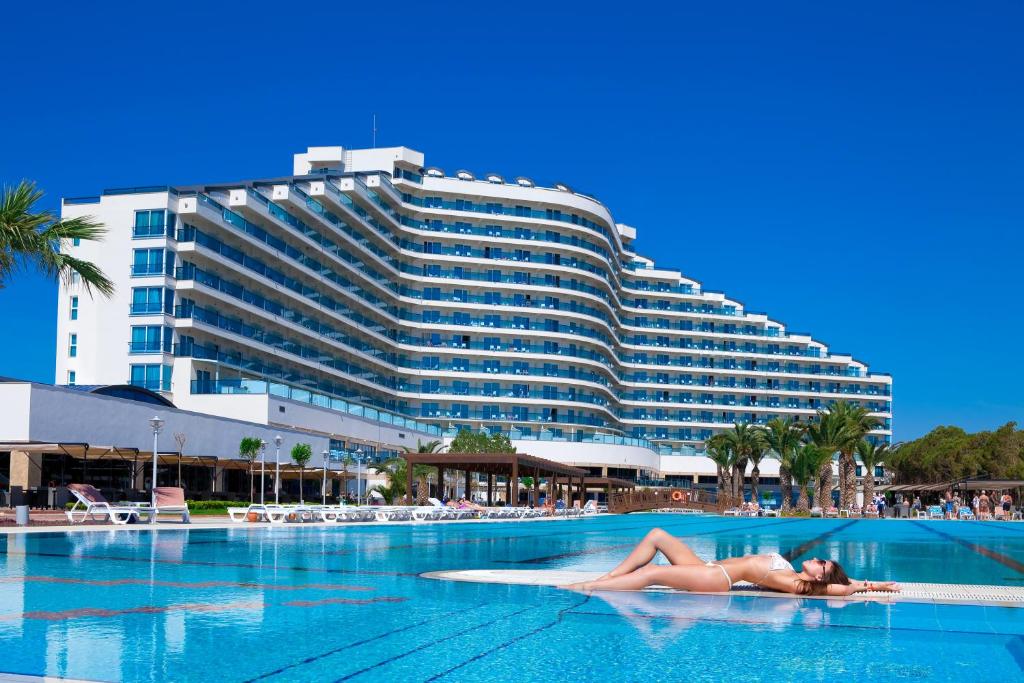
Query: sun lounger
[(732, 512), (965, 513), (832, 511), (590, 508), (935, 512), (96, 506), (816, 512), (170, 500)]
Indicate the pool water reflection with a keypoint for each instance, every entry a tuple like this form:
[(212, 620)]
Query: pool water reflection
[(347, 603)]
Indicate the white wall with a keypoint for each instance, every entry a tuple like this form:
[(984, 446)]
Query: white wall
[(59, 414)]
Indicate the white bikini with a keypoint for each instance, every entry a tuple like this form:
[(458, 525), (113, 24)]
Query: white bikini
[(776, 563)]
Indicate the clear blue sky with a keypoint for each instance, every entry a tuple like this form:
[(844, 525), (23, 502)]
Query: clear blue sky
[(854, 171)]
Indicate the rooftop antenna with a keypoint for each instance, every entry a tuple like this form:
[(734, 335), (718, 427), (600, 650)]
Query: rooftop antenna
[(374, 131)]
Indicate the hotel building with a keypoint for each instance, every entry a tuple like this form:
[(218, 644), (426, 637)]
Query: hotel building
[(368, 284)]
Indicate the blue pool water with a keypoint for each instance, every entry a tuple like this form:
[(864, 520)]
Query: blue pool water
[(346, 603)]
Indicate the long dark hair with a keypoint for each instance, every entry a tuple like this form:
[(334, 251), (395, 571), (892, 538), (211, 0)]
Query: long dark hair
[(835, 575)]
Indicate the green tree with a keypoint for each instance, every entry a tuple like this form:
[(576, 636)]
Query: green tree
[(871, 455), (857, 423), (422, 473), (808, 461), (249, 449), (949, 453), (782, 436), (720, 455), (829, 433), (745, 442), (33, 238), (301, 454)]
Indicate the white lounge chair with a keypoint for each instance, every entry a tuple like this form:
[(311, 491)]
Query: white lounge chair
[(170, 500), (816, 512), (590, 508), (96, 506)]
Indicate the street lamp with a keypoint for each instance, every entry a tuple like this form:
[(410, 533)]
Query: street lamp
[(323, 489), (277, 467), (263, 467), (359, 475), (157, 424)]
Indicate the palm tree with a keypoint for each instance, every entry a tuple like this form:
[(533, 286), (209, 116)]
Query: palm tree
[(423, 472), (808, 461), (34, 238), (248, 448), (870, 456), (720, 455), (829, 433), (783, 436), (858, 423), (301, 453), (755, 458), (743, 441), (394, 471)]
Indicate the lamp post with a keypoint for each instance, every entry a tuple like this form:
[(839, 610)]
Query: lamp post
[(359, 475), (323, 489), (263, 467), (277, 467), (157, 424)]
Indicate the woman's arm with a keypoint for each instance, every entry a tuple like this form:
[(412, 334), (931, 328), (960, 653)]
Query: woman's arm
[(858, 586)]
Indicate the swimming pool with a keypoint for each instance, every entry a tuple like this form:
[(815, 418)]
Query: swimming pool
[(347, 603)]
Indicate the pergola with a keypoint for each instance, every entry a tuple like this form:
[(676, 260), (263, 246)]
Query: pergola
[(609, 485), (510, 465), (139, 459)]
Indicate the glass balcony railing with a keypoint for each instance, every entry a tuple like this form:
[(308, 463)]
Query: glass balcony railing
[(257, 386)]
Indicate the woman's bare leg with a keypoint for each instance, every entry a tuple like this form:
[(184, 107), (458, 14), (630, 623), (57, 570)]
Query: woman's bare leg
[(688, 577), (677, 552)]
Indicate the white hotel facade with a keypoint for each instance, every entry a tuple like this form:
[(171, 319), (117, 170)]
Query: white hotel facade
[(367, 284)]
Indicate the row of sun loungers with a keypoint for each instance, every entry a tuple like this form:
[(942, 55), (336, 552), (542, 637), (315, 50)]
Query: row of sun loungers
[(90, 504), (279, 514)]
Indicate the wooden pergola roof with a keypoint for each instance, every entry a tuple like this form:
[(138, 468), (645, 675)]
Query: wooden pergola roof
[(496, 463), (602, 482)]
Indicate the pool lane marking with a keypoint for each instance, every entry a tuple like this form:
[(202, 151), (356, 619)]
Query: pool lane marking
[(606, 548), (424, 646), (183, 584), (557, 620), (365, 641), (94, 612), (977, 548), (817, 540), (82, 612), (237, 565)]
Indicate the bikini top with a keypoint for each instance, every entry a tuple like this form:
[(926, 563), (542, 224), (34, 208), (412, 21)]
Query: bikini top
[(776, 563)]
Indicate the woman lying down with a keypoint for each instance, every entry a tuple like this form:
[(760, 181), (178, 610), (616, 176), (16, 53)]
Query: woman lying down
[(689, 572)]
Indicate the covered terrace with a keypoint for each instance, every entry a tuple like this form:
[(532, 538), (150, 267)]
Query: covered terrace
[(511, 466)]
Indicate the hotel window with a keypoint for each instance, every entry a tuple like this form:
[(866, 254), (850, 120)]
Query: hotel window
[(148, 262), (76, 242), (71, 378), (153, 223), (146, 339), (74, 308), (72, 345), (154, 377), (146, 300)]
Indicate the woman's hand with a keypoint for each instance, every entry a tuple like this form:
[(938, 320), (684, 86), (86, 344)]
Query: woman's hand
[(881, 586)]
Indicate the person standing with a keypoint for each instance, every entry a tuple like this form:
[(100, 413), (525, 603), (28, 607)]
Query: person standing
[(983, 506)]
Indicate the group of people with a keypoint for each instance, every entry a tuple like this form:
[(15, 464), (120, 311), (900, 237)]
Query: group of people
[(983, 505)]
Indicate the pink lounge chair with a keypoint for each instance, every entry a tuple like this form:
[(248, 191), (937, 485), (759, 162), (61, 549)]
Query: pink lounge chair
[(95, 504), (170, 500)]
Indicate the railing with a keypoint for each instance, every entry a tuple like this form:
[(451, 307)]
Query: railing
[(255, 386), (675, 499)]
